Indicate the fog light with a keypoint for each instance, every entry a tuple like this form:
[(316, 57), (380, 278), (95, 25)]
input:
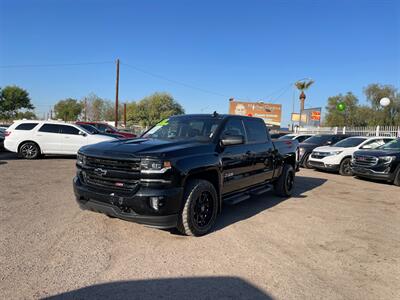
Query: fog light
[(156, 202)]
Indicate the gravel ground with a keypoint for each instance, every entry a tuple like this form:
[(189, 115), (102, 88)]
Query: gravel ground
[(336, 238)]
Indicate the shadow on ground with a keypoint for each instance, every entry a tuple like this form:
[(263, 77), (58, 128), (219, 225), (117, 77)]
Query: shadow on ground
[(255, 205), (5, 155), (170, 288)]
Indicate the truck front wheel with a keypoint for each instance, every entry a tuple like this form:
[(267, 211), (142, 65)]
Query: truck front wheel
[(200, 208), (285, 183)]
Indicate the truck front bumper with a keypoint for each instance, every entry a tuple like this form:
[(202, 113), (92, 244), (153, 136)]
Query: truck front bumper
[(135, 208)]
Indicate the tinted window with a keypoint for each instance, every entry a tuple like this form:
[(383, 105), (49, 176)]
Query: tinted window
[(89, 128), (233, 127), (53, 128), (373, 144), (319, 139), (302, 138), (102, 127), (26, 126), (255, 130), (338, 138), (350, 142), (393, 145), (65, 129)]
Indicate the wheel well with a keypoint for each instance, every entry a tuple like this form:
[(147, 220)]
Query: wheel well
[(348, 156), (291, 160), (211, 176), (20, 144)]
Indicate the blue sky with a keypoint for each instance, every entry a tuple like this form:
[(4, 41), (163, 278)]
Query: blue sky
[(250, 50)]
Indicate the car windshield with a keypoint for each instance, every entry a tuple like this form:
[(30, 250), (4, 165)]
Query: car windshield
[(393, 145), (350, 142), (89, 128), (184, 127), (287, 137), (318, 139)]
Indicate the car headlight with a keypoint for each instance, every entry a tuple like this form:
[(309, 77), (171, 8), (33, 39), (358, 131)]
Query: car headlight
[(387, 159), (154, 166), (334, 153), (80, 159)]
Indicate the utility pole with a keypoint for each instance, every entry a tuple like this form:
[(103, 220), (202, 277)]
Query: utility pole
[(51, 114), (116, 95), (125, 115)]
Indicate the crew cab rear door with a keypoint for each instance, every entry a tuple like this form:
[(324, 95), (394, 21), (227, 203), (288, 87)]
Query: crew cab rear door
[(260, 149)]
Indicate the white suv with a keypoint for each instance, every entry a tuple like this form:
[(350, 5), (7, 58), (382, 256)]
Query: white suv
[(338, 156), (30, 139)]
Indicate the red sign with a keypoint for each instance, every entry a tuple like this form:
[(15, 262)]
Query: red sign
[(316, 115)]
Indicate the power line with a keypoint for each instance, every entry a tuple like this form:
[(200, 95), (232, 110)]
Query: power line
[(174, 81), (55, 65)]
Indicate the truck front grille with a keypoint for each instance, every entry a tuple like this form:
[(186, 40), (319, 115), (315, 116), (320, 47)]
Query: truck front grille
[(111, 174), (112, 164), (319, 155)]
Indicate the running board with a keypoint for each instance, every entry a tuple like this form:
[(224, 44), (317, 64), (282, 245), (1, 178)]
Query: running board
[(235, 199)]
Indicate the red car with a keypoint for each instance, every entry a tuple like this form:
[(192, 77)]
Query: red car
[(105, 128)]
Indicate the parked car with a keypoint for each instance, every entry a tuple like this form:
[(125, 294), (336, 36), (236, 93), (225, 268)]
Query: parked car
[(306, 147), (105, 128), (30, 139), (180, 172), (294, 136), (382, 163), (338, 157), (277, 135), (94, 130)]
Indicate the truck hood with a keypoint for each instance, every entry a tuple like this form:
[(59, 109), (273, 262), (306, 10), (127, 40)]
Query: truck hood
[(145, 147), (377, 153)]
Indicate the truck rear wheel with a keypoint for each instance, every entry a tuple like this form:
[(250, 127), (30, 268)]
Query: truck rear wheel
[(285, 183), (200, 208)]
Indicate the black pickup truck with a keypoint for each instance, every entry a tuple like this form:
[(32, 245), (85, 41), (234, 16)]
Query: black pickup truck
[(182, 171), (382, 163)]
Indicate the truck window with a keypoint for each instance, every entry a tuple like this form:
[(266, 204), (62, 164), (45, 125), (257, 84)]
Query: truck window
[(255, 130), (233, 127)]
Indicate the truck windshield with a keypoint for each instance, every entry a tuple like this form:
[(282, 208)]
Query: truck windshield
[(184, 127), (393, 145), (350, 142)]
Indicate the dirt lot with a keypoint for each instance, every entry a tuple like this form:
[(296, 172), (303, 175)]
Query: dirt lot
[(337, 238)]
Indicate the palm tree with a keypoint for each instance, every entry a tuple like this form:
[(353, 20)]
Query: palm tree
[(303, 85)]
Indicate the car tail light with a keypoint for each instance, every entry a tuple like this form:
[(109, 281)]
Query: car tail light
[(7, 133)]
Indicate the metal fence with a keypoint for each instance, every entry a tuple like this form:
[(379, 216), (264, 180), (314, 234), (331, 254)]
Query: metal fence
[(392, 131)]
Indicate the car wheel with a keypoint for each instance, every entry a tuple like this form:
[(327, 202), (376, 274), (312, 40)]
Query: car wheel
[(345, 168), (306, 163), (29, 150), (200, 208), (396, 180), (285, 183)]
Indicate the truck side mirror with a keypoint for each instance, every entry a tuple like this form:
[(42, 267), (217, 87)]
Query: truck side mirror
[(230, 140)]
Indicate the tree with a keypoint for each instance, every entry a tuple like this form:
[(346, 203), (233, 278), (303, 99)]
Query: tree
[(152, 109), (389, 115), (12, 99), (68, 109), (29, 115), (334, 117), (302, 86)]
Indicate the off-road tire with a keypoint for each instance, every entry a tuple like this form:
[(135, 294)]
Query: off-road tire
[(285, 184), (195, 188)]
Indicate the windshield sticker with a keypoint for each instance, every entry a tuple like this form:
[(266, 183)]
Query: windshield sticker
[(163, 122)]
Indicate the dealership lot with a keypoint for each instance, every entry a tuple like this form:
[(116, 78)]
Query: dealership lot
[(336, 238)]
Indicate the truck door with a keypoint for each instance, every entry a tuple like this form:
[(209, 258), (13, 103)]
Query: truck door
[(261, 149), (236, 163)]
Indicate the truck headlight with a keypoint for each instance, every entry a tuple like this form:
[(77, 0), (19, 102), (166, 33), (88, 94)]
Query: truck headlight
[(387, 159), (154, 166), (80, 159)]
